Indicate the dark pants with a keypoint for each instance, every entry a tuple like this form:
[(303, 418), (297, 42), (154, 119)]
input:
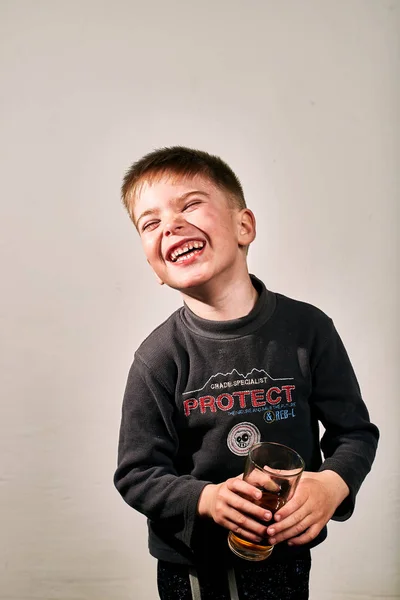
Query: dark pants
[(274, 580)]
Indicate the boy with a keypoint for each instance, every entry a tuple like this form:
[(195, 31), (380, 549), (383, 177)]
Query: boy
[(237, 364)]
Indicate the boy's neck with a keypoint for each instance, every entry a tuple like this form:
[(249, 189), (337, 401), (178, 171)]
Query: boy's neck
[(223, 301)]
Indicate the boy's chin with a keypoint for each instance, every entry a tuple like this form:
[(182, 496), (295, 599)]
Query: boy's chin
[(185, 284)]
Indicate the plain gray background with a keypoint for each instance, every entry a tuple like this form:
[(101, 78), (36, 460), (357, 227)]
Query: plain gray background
[(301, 98)]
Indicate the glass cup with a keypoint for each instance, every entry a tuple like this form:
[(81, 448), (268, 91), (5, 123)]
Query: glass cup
[(275, 470)]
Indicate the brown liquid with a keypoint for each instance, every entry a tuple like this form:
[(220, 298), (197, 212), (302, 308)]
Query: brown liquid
[(270, 501)]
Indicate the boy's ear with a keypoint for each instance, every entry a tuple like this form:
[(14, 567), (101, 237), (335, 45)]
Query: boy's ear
[(246, 227)]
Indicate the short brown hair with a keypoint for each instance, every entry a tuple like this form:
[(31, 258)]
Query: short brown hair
[(180, 161)]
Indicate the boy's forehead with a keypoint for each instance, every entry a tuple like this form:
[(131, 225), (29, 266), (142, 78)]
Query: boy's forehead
[(174, 183), (169, 188)]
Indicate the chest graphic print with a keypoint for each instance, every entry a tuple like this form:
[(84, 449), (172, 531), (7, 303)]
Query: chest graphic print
[(240, 394)]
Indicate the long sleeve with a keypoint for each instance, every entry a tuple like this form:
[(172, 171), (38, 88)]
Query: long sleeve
[(146, 475), (350, 440)]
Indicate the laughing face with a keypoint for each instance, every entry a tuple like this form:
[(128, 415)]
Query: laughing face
[(190, 231)]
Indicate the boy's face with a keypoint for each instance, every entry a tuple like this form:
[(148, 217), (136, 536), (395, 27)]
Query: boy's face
[(190, 232)]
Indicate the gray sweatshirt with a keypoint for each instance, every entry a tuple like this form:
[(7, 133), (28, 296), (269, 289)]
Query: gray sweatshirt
[(200, 393)]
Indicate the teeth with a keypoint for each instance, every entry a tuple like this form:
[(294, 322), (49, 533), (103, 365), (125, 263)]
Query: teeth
[(186, 248), (185, 257)]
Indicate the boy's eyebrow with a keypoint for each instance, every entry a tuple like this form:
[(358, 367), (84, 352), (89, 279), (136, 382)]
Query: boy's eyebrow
[(152, 211)]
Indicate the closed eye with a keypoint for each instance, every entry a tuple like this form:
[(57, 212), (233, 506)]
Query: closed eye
[(191, 204), (150, 225)]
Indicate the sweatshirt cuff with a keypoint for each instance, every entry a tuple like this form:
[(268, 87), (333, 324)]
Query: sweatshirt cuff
[(191, 515), (345, 508)]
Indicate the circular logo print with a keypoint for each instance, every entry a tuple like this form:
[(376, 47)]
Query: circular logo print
[(242, 437)]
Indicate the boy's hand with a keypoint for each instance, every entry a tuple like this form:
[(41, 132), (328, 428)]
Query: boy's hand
[(232, 505), (316, 498)]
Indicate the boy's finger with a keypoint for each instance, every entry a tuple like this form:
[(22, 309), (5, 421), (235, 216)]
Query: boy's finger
[(242, 524), (242, 487), (306, 537), (292, 506), (243, 533), (246, 507), (290, 532), (291, 521)]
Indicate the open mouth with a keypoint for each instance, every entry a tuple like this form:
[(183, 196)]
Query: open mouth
[(186, 251)]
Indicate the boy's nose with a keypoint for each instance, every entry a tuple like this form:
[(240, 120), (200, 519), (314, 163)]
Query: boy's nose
[(172, 227)]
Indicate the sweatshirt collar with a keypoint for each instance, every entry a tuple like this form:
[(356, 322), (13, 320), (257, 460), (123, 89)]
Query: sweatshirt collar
[(234, 328)]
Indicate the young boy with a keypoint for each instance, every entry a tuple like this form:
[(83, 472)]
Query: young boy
[(237, 364)]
